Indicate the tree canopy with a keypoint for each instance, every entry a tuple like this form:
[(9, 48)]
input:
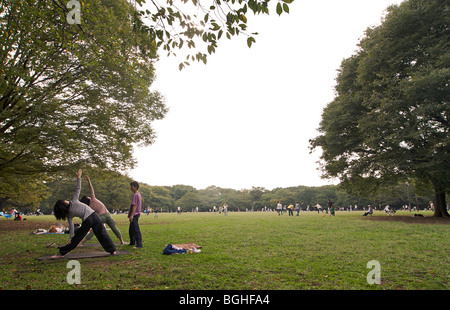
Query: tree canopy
[(75, 79), (389, 122), (73, 95)]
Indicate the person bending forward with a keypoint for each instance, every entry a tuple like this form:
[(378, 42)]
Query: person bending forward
[(90, 219)]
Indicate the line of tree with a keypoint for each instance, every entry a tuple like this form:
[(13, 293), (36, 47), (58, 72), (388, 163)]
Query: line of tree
[(114, 191)]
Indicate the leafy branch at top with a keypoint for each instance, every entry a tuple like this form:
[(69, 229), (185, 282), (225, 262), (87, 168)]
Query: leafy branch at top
[(172, 28)]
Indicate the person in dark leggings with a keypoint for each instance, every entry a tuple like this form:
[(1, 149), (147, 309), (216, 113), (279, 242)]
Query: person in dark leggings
[(90, 219), (133, 215)]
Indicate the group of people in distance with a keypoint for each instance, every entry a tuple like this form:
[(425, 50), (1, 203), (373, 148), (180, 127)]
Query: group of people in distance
[(94, 214), (290, 209), (297, 208)]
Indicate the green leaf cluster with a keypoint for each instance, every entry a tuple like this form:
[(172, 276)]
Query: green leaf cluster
[(169, 27)]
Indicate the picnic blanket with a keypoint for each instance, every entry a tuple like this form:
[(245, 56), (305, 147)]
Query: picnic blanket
[(8, 216)]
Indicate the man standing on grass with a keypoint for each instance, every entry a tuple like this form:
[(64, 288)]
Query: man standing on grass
[(133, 215)]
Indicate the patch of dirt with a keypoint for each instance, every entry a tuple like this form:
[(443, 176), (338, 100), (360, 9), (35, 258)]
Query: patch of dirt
[(24, 225), (412, 219)]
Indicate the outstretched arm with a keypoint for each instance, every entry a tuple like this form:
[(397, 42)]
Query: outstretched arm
[(90, 186), (78, 190)]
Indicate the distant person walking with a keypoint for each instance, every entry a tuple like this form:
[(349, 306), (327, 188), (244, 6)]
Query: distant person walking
[(291, 210), (279, 208), (297, 207), (330, 207), (133, 215)]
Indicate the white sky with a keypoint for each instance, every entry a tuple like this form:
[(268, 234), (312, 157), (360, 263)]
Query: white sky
[(245, 118)]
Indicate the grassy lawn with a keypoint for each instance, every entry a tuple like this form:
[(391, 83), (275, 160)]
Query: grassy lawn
[(242, 251)]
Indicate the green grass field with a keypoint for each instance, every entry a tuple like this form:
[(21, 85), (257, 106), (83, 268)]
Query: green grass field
[(242, 251)]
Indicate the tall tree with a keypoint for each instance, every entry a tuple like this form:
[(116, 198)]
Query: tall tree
[(390, 118), (75, 77), (72, 95)]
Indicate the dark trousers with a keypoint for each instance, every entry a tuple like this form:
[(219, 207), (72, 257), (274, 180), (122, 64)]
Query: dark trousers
[(95, 222), (135, 232)]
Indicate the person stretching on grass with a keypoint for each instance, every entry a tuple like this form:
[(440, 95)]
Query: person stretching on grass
[(101, 210), (90, 219)]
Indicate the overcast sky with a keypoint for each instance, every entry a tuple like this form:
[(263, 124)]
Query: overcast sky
[(245, 118)]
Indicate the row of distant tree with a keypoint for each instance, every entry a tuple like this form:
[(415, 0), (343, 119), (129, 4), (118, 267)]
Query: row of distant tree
[(115, 193)]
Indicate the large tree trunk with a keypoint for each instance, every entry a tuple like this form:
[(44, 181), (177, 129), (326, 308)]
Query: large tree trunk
[(3, 203), (440, 206)]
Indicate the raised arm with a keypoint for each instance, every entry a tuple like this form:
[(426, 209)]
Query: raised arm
[(90, 186), (76, 196)]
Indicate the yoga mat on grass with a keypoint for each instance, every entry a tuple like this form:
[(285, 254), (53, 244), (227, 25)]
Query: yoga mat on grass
[(75, 255), (95, 245)]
